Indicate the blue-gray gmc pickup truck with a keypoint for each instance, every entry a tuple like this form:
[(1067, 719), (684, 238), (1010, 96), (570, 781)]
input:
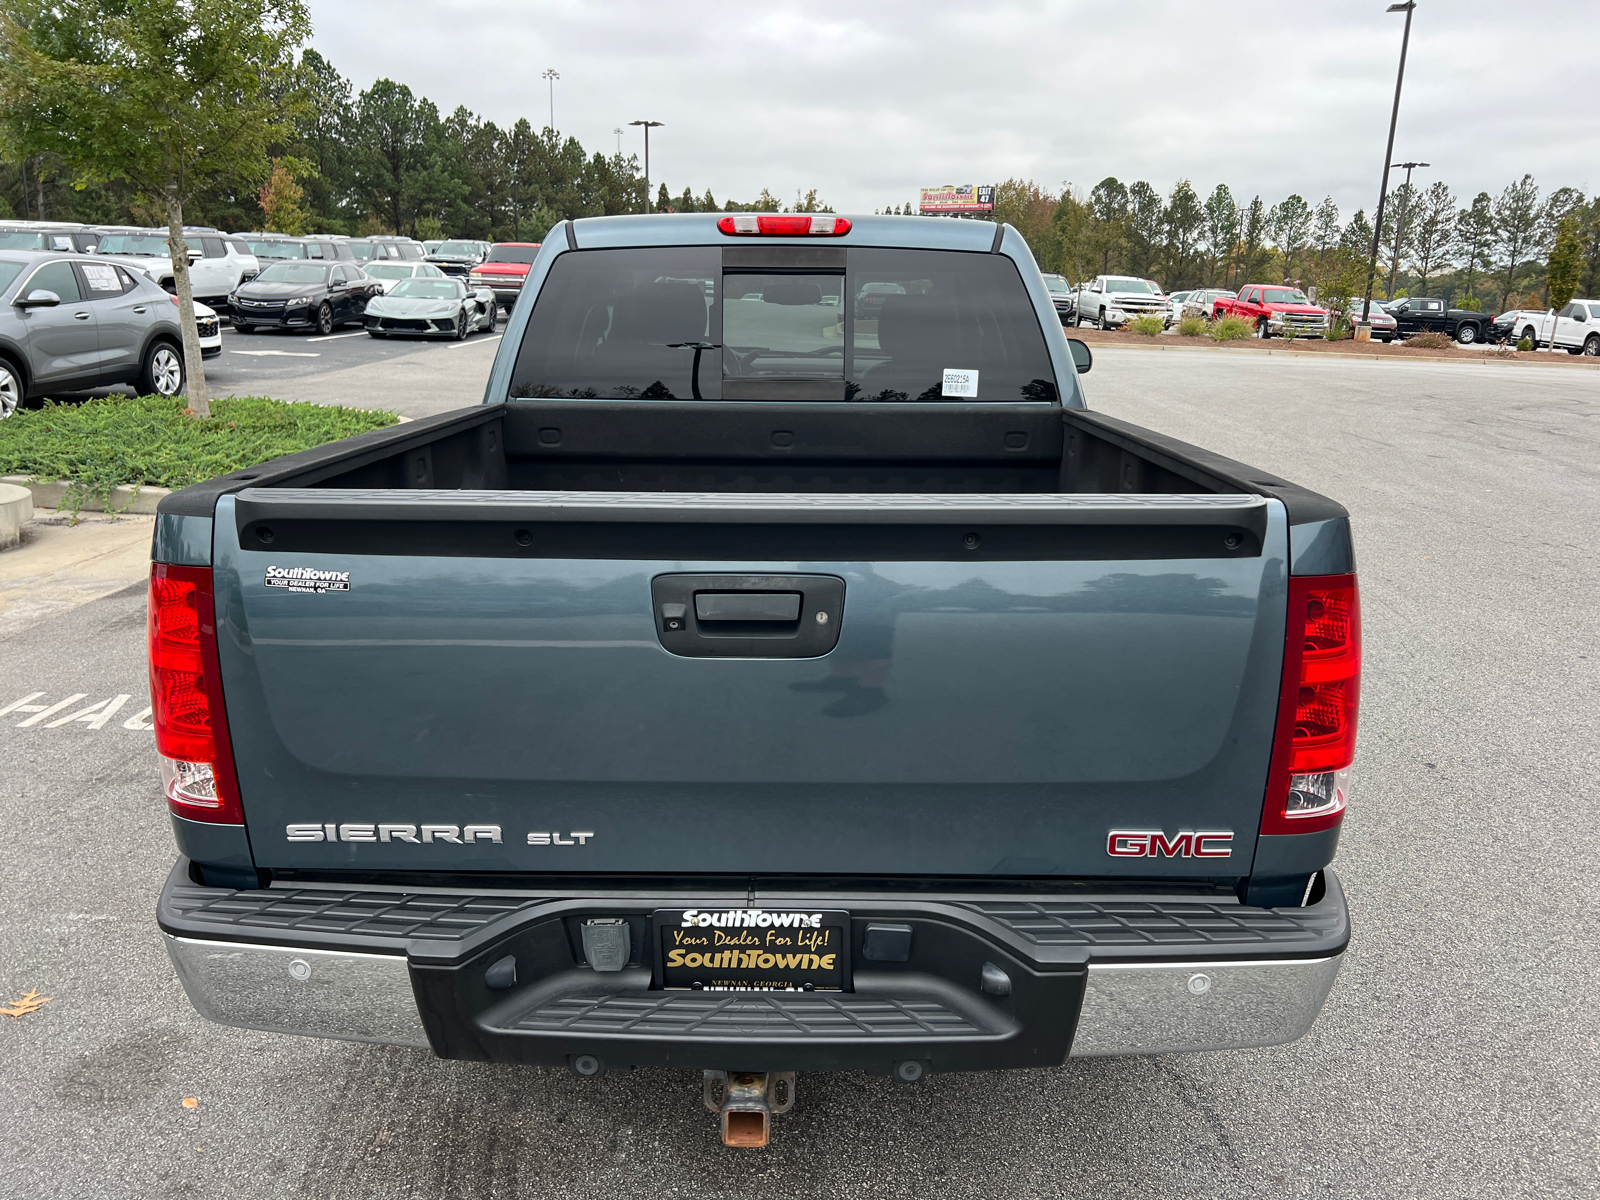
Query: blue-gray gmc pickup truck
[(783, 669)]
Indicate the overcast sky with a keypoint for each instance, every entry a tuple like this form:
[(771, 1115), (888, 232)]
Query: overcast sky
[(867, 103)]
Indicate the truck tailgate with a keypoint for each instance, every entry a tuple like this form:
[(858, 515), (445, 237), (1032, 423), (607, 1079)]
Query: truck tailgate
[(1014, 678)]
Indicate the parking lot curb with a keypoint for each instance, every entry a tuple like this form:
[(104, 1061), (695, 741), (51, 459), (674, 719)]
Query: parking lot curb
[(16, 510), (1485, 360), (140, 501)]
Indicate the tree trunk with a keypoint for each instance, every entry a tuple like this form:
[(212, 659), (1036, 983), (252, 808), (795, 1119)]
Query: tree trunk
[(193, 364), (38, 183)]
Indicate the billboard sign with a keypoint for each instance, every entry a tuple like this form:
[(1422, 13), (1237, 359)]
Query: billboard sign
[(962, 198)]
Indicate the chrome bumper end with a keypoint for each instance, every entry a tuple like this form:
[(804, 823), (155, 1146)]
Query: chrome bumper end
[(1163, 1008), (319, 993)]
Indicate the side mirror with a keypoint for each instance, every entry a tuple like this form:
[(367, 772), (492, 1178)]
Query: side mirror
[(39, 298), (485, 295), (1081, 356)]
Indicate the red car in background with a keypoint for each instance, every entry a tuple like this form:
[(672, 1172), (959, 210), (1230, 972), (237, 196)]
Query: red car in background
[(1272, 308), (505, 270)]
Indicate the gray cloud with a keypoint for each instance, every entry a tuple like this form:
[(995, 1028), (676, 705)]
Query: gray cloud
[(867, 103)]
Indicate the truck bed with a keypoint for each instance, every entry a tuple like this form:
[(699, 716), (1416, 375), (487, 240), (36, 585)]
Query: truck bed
[(1050, 619)]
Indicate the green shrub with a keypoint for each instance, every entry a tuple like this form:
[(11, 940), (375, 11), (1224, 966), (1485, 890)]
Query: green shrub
[(1470, 303), (1147, 325), (1193, 327), (1338, 327), (147, 441), (1525, 344), (1429, 341), (1231, 329)]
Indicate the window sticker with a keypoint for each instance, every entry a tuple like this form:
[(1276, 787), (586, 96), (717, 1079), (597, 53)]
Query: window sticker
[(960, 383), (101, 277)]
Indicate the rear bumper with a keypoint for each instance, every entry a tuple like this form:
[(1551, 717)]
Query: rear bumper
[(1088, 976)]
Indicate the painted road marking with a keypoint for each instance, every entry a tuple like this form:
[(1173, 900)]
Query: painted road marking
[(482, 342), (329, 337), (95, 715), (280, 353)]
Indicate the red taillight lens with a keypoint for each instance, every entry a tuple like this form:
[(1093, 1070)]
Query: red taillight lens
[(186, 696), (1309, 784), (799, 225)]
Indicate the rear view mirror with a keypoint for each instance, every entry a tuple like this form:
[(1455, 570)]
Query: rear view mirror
[(39, 298), (792, 293), (1082, 358)]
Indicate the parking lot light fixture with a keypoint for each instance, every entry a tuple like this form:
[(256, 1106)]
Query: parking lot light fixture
[(551, 75), (648, 126), (1364, 332)]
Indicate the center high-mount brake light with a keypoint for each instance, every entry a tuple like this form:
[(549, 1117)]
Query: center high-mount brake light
[(1308, 786), (764, 225), (186, 697)]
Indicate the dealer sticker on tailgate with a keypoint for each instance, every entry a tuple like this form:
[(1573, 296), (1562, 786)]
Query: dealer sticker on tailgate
[(753, 949)]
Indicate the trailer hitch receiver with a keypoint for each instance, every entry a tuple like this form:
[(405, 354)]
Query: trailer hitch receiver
[(746, 1102)]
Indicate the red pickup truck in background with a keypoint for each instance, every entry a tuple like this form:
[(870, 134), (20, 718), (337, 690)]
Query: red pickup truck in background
[(504, 271), (1272, 309)]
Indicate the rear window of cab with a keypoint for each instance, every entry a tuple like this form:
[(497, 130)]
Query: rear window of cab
[(881, 325)]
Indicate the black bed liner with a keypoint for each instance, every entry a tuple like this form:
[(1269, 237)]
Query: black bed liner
[(597, 445)]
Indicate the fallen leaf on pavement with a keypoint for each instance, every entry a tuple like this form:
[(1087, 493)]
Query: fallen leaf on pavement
[(32, 1002), (191, 1102)]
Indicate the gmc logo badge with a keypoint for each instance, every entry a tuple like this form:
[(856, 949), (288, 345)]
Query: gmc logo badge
[(1154, 843)]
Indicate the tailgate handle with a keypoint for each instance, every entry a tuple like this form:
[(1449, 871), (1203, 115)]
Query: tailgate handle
[(748, 616), (747, 606)]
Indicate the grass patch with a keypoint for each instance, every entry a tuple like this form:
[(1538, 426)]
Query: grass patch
[(147, 441), (1147, 325), (1192, 327), (1231, 329)]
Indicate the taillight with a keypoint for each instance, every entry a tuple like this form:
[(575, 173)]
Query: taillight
[(186, 697), (1309, 784), (800, 225)]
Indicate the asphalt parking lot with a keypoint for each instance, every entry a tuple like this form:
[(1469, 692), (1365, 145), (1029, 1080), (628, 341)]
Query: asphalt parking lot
[(409, 376), (1458, 1054)]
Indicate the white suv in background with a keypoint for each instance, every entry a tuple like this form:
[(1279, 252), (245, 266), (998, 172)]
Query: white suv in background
[(217, 263), (1575, 329)]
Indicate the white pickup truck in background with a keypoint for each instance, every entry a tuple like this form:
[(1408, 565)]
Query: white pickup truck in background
[(1111, 300), (1575, 329)]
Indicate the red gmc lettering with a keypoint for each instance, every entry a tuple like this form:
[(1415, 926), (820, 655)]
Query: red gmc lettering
[(1179, 847), (1123, 844), (1154, 843)]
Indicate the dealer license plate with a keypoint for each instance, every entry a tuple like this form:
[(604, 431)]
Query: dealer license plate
[(753, 949)]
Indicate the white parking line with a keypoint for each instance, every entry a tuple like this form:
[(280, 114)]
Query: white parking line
[(482, 342), (95, 716), (280, 353), (328, 337)]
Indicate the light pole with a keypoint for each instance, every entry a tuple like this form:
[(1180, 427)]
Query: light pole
[(648, 126), (1400, 224), (551, 74), (618, 132), (1364, 332)]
